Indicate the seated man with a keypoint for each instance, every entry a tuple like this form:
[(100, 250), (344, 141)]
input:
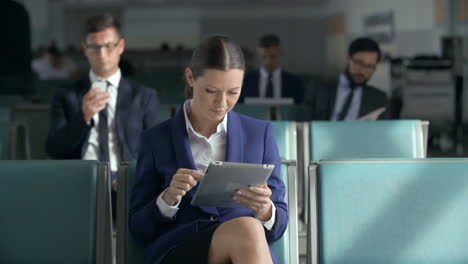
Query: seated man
[(54, 65), (101, 116), (350, 97), (271, 81)]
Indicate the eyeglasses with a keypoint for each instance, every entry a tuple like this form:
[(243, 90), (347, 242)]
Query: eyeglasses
[(363, 65), (109, 47)]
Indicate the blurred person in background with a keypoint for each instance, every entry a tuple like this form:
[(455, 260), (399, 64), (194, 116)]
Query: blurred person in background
[(350, 97), (54, 65), (101, 116), (271, 80)]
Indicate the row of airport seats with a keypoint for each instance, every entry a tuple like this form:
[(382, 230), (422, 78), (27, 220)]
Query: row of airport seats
[(318, 140), (374, 198), (288, 135), (24, 125), (59, 211)]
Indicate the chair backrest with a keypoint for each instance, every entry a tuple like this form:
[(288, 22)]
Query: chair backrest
[(5, 114), (167, 111), (286, 249), (367, 139), (5, 139), (286, 138), (30, 128), (363, 139), (54, 212), (290, 112), (128, 249), (10, 100), (131, 251), (391, 211), (257, 111)]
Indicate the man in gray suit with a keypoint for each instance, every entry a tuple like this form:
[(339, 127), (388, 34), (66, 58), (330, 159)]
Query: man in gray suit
[(350, 97)]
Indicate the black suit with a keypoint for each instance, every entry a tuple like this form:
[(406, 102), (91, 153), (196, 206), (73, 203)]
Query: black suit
[(321, 100), (137, 109), (291, 86)]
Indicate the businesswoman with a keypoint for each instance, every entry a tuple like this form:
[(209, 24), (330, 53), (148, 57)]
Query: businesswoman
[(172, 160)]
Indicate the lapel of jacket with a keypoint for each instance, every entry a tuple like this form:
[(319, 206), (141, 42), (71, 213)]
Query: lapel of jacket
[(82, 87), (285, 90), (332, 89), (234, 144), (183, 152), (366, 101), (124, 95), (255, 88)]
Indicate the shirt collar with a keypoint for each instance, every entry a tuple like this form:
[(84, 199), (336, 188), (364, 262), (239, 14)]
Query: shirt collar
[(114, 79), (264, 73), (344, 83), (222, 127)]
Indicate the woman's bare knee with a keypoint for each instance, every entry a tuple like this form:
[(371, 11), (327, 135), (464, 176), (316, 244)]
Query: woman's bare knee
[(237, 237)]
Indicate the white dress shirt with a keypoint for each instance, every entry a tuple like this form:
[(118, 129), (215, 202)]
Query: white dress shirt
[(263, 81), (92, 148), (205, 150), (342, 92)]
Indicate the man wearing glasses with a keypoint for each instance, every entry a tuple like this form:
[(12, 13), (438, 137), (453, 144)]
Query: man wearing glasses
[(351, 98), (101, 116)]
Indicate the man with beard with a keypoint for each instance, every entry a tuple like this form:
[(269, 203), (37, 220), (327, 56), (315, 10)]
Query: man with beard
[(350, 97)]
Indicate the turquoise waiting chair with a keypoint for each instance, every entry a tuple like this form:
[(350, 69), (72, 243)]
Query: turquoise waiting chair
[(55, 212), (363, 139), (367, 139), (128, 250), (402, 211), (286, 249), (131, 251)]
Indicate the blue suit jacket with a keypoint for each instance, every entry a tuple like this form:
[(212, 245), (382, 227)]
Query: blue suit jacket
[(166, 148), (137, 109)]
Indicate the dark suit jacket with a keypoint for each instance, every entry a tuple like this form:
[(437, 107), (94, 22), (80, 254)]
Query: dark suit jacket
[(291, 86), (166, 148), (321, 98), (137, 110)]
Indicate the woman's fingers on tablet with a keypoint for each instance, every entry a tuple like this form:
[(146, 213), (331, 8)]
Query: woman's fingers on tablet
[(182, 185), (260, 190), (256, 205), (197, 175), (253, 196), (187, 178)]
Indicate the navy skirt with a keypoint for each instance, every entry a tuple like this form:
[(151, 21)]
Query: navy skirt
[(193, 249)]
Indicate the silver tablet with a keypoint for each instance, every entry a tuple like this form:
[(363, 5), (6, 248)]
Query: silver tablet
[(223, 179)]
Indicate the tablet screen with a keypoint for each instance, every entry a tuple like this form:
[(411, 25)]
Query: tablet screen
[(223, 179)]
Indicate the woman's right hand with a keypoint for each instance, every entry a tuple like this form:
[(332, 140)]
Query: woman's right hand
[(182, 181)]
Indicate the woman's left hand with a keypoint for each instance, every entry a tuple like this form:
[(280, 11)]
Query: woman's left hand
[(258, 199)]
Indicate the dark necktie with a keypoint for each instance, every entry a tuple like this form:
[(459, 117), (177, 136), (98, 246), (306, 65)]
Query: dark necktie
[(347, 104), (269, 87), (103, 130)]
